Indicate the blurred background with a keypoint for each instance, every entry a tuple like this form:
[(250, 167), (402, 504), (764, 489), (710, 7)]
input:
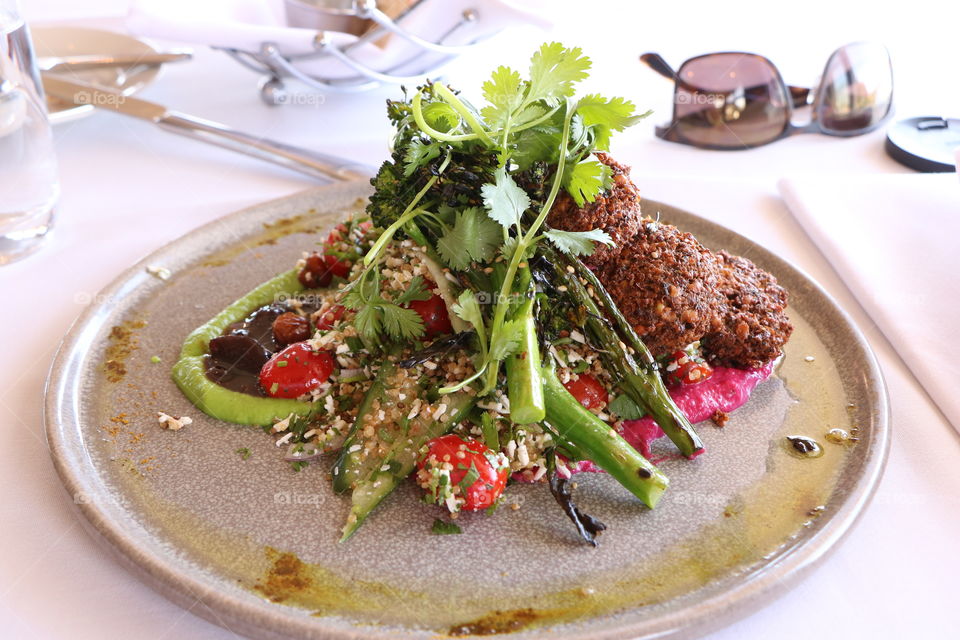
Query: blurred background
[(920, 36)]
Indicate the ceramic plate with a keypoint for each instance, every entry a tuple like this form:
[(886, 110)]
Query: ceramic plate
[(77, 41), (256, 542)]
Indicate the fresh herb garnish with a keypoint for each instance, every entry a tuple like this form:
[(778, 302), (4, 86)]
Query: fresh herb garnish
[(377, 316), (447, 152), (491, 436), (442, 528), (473, 237), (578, 243), (581, 366), (244, 453), (624, 407), (505, 201)]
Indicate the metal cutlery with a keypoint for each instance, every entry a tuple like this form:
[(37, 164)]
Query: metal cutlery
[(298, 159), (86, 62)]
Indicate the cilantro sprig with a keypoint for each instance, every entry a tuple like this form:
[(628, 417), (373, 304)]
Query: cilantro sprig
[(376, 315), (479, 183), (472, 237)]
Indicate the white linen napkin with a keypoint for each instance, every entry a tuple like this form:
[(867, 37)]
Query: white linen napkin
[(232, 24), (895, 242)]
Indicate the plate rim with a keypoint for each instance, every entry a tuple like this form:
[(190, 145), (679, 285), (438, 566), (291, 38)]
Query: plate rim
[(768, 582)]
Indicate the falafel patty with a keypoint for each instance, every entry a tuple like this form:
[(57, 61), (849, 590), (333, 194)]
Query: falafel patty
[(672, 289), (667, 286), (617, 211), (755, 326)]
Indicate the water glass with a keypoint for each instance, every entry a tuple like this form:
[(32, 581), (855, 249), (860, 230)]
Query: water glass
[(29, 186)]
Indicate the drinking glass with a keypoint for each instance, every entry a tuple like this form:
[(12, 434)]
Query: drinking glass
[(29, 187)]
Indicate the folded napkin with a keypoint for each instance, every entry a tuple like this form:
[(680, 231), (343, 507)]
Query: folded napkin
[(895, 242), (247, 24)]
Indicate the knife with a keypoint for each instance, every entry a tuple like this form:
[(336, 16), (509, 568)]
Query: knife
[(86, 62), (303, 160)]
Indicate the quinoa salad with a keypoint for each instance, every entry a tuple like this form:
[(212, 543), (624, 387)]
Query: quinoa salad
[(502, 312)]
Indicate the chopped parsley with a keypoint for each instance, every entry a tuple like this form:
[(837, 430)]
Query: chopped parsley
[(244, 453), (471, 476), (442, 528), (581, 366)]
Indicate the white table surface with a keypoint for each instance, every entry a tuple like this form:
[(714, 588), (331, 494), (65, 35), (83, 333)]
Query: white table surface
[(128, 188)]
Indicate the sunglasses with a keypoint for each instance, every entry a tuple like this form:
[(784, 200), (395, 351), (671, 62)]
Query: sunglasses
[(735, 100)]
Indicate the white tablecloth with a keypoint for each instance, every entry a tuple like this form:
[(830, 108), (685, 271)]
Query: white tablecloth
[(128, 188)]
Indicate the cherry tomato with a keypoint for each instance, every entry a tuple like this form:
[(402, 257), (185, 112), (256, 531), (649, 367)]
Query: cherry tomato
[(684, 369), (295, 370), (436, 321), (320, 270), (326, 318), (588, 391), (336, 235), (460, 458)]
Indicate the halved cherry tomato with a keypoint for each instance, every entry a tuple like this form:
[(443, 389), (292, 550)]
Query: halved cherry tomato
[(436, 321), (320, 270), (339, 232), (326, 318), (295, 370), (588, 391), (685, 369), (336, 235), (458, 457)]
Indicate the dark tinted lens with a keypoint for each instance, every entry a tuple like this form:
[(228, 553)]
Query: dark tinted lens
[(730, 100), (856, 89)]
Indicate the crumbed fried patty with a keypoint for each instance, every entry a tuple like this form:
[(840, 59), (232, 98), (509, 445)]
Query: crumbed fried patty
[(617, 212), (671, 288), (667, 286), (755, 326)]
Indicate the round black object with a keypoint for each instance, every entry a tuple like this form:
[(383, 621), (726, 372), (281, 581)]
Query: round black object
[(926, 143)]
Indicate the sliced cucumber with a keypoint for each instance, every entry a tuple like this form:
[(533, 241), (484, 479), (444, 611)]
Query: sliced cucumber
[(373, 478), (349, 460)]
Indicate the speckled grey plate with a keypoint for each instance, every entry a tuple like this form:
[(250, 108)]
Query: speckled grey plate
[(256, 543)]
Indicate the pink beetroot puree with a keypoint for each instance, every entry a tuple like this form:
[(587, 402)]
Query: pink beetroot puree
[(726, 390)]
